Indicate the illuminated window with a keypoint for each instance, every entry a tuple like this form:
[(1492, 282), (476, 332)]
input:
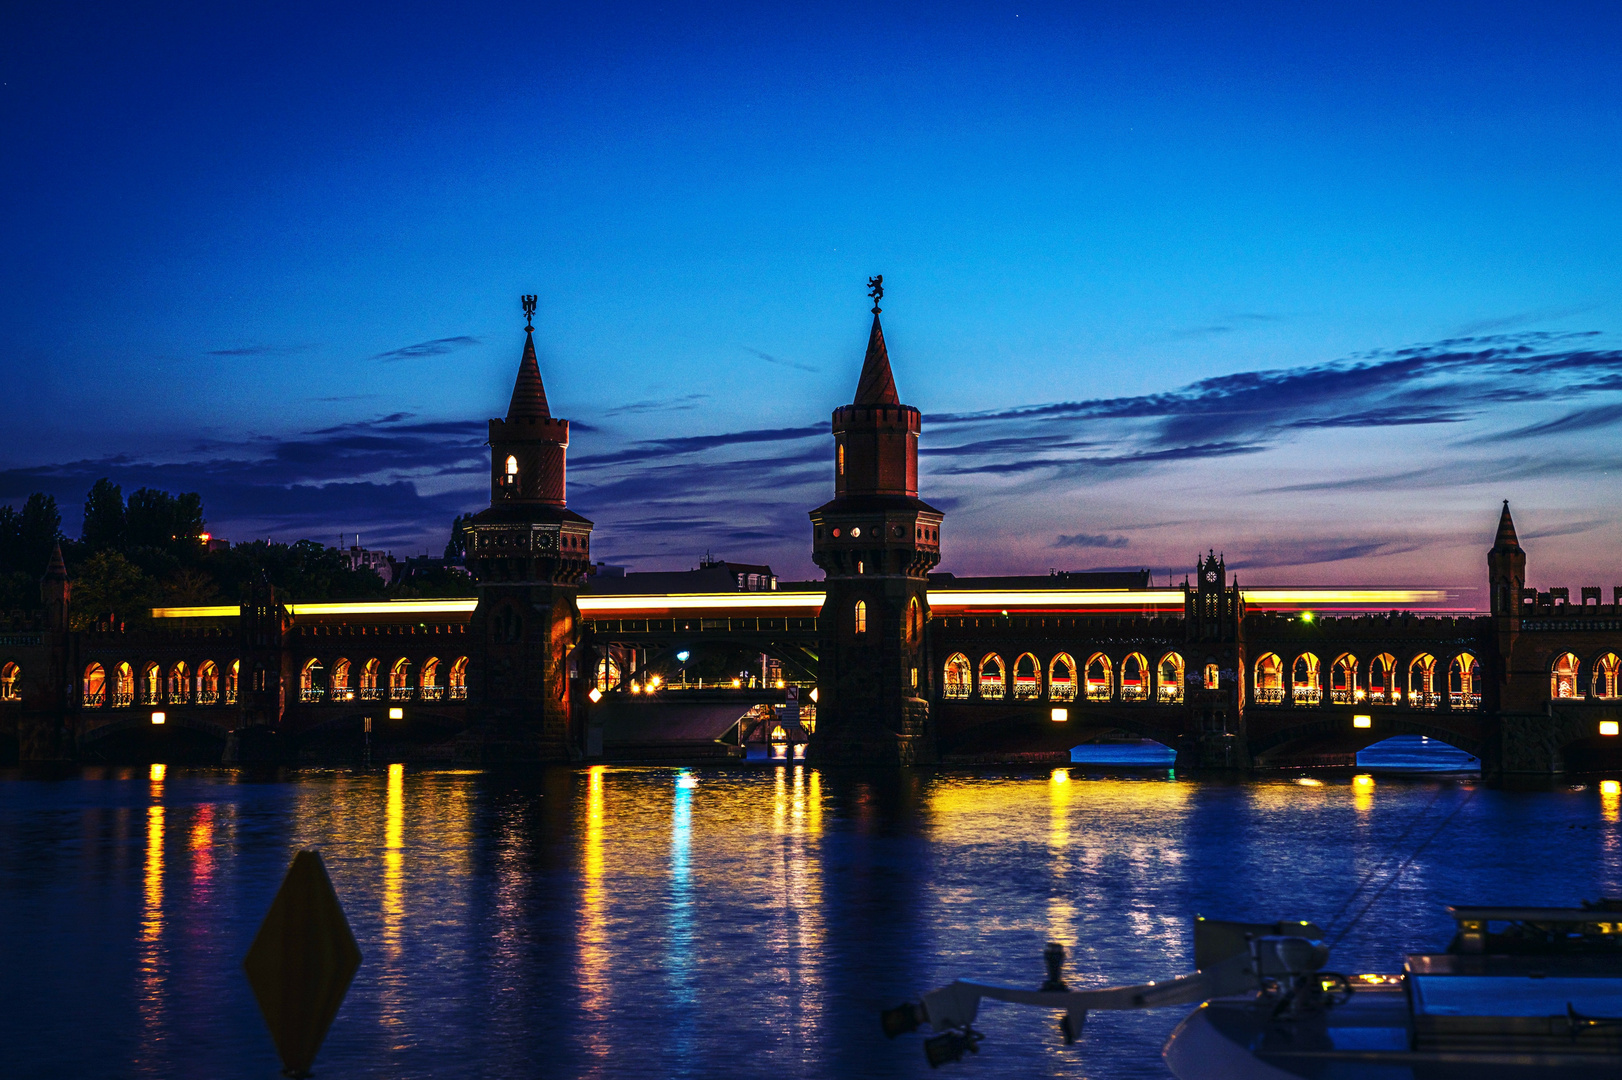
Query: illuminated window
[(1383, 687), (1062, 678), (958, 676), (95, 686), (861, 616), (1464, 683), (839, 459), (1305, 689), (1605, 672), (1343, 689), (1422, 682), (10, 683), (1171, 678), (1027, 678), (1134, 678), (338, 682), (1213, 676), (178, 687), (512, 469), (1100, 675), (1563, 677), (992, 679)]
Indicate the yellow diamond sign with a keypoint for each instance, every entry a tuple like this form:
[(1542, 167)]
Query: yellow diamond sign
[(301, 962)]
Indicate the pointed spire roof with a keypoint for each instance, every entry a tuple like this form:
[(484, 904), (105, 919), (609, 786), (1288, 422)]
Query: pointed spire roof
[(57, 570), (1506, 530), (529, 396), (877, 385)]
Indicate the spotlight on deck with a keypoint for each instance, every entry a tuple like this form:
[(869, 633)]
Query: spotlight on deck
[(396, 714), (1362, 721), (158, 718), (950, 1046), (1608, 727), (1060, 715), (901, 1020)]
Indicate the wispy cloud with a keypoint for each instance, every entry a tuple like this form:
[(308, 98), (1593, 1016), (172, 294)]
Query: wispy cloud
[(682, 403), (436, 347), (261, 350), (1090, 540), (770, 359)]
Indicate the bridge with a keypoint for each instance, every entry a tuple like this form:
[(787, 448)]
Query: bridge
[(898, 664)]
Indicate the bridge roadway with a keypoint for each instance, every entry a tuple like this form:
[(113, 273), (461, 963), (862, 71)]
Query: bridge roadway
[(1011, 672)]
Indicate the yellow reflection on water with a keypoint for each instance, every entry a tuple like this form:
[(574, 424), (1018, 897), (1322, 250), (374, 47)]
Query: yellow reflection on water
[(157, 773), (1362, 794), (593, 937), (1610, 799), (813, 821), (393, 892), (149, 997), (1061, 910)]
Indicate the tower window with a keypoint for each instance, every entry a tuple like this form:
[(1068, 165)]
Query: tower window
[(861, 616), (839, 459), (512, 469)]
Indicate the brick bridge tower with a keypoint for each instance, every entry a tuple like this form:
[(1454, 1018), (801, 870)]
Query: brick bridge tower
[(528, 553), (876, 543), (1214, 619)]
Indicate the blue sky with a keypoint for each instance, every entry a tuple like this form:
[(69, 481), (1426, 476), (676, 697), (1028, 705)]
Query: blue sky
[(1315, 287)]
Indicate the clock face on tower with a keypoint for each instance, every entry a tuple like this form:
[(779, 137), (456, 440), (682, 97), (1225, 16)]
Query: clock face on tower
[(1210, 575)]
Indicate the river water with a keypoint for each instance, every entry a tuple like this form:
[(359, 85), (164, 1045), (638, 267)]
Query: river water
[(661, 922)]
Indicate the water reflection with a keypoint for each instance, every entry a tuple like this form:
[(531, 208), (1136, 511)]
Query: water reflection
[(393, 908), (592, 944), (1061, 911)]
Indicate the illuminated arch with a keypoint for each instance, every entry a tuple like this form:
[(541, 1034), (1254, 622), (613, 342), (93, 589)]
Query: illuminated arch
[(1563, 675), (232, 676), (95, 686), (992, 679), (428, 681), (1343, 688), (1268, 687), (1134, 677), (208, 683), (1306, 688), (1027, 677), (1605, 672), (1464, 683), (608, 674), (310, 687), (1100, 677), (179, 686), (458, 679), (1383, 688), (958, 677), (1062, 678), (338, 682), (859, 617), (151, 684), (11, 677), (400, 680), (369, 673), (1213, 675), (123, 685), (1171, 669), (1422, 682)]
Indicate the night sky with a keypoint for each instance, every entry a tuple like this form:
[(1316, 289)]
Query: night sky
[(1313, 285)]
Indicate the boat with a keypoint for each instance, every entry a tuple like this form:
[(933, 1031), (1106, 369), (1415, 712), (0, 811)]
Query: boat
[(1519, 992)]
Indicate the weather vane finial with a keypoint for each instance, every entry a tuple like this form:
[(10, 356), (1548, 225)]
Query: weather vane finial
[(529, 313), (875, 289)]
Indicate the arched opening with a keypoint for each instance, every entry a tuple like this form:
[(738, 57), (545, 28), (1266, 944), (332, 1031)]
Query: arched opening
[(1171, 678), (1383, 688), (1563, 676), (430, 689), (123, 686), (152, 685), (1062, 678), (992, 677), (1305, 687), (1213, 675), (179, 687), (369, 690), (1463, 683), (1100, 675), (95, 686), (1027, 678), (915, 621), (400, 680), (11, 682), (1605, 669), (860, 617), (1269, 684), (511, 478), (608, 674), (208, 683), (231, 676), (338, 681), (458, 679), (1422, 682), (1134, 678), (839, 459), (1343, 688), (957, 677), (310, 688)]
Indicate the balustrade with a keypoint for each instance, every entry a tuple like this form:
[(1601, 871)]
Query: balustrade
[(458, 693), (1420, 700), (399, 693), (1269, 695), (1027, 691), (231, 696), (1464, 701), (432, 693), (310, 694), (1097, 692), (94, 699), (957, 691), (123, 699), (1307, 695), (1342, 697), (1134, 693), (207, 697), (371, 693), (1171, 695)]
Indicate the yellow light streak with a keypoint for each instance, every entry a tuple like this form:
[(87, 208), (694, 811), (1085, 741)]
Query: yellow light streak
[(944, 600)]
